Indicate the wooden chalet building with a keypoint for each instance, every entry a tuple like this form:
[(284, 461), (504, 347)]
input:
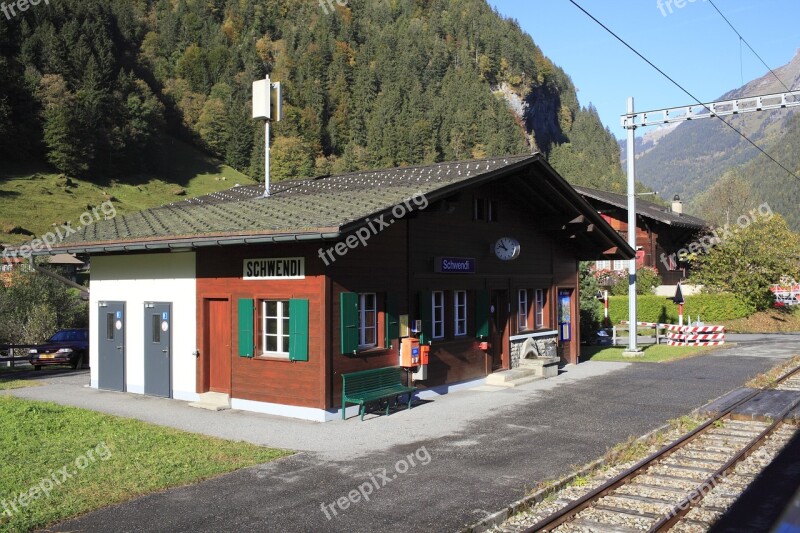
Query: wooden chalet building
[(660, 232), (268, 301)]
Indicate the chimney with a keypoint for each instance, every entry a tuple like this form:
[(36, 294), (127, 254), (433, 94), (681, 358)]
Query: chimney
[(677, 205)]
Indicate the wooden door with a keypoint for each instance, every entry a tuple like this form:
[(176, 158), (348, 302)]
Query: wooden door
[(218, 344), (498, 324)]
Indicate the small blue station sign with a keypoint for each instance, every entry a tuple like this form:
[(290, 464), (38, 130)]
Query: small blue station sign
[(454, 265)]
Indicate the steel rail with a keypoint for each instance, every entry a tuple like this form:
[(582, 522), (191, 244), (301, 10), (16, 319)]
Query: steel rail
[(568, 512), (696, 496)]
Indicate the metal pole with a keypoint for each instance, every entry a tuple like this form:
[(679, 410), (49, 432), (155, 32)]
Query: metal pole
[(266, 160), (634, 330)]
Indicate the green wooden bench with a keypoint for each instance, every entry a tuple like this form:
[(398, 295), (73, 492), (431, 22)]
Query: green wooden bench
[(372, 385)]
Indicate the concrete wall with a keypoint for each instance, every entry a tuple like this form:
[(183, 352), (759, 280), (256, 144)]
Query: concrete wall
[(136, 279)]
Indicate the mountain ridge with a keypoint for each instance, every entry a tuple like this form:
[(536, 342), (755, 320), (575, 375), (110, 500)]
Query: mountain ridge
[(695, 157)]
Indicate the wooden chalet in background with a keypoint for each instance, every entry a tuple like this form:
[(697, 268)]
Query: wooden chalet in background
[(660, 232)]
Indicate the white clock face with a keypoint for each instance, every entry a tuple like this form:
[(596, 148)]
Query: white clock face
[(507, 249)]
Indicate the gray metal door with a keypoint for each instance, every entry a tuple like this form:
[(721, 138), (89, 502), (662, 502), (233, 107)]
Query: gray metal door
[(158, 349), (111, 345)]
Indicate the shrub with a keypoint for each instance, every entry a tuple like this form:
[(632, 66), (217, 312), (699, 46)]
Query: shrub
[(647, 279), (34, 306), (751, 259), (590, 307), (710, 307), (616, 281)]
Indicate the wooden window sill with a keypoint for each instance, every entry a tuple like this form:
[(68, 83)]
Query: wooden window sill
[(272, 358)]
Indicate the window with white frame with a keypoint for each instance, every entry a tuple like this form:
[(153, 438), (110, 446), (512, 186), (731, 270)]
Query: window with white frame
[(437, 307), (367, 320), (539, 311), (620, 265), (522, 310), (603, 265), (460, 304), (275, 328)]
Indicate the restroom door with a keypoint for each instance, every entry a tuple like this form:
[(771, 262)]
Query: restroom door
[(111, 346), (158, 349)]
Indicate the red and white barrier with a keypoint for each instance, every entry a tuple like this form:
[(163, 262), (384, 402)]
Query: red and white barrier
[(682, 335), (694, 329), (680, 343), (695, 335)]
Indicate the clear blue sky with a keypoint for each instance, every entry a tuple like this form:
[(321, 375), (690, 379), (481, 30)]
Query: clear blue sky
[(693, 44)]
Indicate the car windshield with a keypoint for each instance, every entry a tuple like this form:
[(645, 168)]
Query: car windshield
[(68, 336)]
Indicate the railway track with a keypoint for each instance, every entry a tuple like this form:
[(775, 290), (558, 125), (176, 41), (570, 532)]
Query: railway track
[(790, 383), (658, 492)]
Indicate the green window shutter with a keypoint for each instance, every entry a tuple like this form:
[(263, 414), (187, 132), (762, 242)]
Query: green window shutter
[(426, 316), (246, 333), (298, 330), (482, 313), (392, 320), (348, 322)]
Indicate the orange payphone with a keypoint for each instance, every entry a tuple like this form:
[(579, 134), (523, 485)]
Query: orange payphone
[(422, 371), (409, 352), (424, 353)]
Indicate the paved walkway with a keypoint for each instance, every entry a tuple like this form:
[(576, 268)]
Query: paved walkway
[(439, 467)]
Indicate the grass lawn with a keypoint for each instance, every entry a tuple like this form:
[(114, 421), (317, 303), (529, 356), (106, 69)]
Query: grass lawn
[(110, 460), (8, 375), (770, 321), (652, 354), (33, 196), (7, 384)]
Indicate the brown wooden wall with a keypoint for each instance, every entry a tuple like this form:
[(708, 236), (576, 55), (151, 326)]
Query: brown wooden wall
[(398, 261), (449, 230), (379, 267), (656, 239), (219, 274)]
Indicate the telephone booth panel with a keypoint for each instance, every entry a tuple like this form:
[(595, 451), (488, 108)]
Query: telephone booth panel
[(565, 315)]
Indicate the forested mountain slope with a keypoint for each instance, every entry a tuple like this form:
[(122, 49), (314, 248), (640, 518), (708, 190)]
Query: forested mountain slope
[(93, 86)]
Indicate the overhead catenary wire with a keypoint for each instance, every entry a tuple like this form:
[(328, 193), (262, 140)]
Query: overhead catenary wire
[(743, 40), (682, 88)]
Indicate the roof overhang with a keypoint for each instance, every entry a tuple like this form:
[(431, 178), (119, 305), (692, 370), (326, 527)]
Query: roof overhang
[(645, 210), (188, 243)]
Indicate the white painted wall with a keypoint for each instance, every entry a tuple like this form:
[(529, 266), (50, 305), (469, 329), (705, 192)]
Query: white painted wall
[(136, 279)]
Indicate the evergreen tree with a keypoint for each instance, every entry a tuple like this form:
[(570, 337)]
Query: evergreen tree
[(373, 84)]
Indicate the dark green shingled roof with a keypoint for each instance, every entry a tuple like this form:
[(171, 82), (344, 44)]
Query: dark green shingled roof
[(312, 207), (645, 208), (328, 207)]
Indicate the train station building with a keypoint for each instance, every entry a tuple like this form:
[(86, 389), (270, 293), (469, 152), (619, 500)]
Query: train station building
[(266, 301)]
